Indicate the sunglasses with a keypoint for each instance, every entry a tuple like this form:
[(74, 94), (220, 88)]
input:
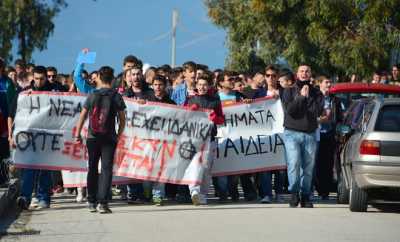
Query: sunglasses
[(270, 75), (51, 76)]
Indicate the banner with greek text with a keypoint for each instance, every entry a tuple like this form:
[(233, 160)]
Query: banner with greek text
[(251, 138), (162, 143)]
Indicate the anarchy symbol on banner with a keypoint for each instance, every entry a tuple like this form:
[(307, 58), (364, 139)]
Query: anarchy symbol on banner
[(187, 150)]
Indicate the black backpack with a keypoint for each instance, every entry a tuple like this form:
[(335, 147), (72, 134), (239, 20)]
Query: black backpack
[(100, 115)]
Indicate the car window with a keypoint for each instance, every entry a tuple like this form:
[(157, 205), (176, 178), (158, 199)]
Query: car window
[(388, 119)]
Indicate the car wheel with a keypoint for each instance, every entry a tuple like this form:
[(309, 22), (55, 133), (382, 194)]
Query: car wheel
[(342, 192), (358, 198)]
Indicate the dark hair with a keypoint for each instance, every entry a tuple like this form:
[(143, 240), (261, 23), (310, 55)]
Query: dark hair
[(9, 69), (176, 72), (160, 78), (29, 65), (396, 65), (2, 63), (189, 65), (205, 76), (85, 72), (165, 67), (106, 74), (23, 75), (289, 75), (133, 59), (52, 68), (202, 67), (20, 62), (94, 72), (40, 70), (272, 68)]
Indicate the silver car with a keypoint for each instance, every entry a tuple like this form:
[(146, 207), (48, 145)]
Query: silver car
[(370, 158)]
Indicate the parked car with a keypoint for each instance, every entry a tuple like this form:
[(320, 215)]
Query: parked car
[(370, 156), (350, 95)]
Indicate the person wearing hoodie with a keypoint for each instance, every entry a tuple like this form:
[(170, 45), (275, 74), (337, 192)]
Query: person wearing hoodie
[(302, 105)]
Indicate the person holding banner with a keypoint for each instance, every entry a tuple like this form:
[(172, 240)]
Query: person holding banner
[(204, 100), (40, 83), (302, 105), (265, 178), (102, 107), (159, 95), (226, 94), (180, 95), (134, 87)]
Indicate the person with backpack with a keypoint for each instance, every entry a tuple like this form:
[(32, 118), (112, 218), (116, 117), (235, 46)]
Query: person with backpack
[(101, 107)]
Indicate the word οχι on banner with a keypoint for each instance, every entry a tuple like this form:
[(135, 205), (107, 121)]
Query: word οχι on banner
[(162, 143), (251, 138)]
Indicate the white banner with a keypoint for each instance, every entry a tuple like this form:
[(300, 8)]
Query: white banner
[(163, 143), (251, 138), (79, 179)]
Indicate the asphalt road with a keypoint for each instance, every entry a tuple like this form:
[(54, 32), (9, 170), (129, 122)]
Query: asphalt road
[(69, 221)]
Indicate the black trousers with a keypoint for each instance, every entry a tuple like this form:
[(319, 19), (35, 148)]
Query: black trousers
[(4, 153), (324, 164), (98, 186)]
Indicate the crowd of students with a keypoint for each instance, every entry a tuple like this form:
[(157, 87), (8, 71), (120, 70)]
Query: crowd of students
[(310, 116)]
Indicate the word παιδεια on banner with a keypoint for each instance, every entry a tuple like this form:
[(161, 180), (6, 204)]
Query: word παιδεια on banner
[(251, 138), (162, 143)]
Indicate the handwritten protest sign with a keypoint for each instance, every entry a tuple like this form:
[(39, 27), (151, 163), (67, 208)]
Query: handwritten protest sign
[(161, 143), (250, 140)]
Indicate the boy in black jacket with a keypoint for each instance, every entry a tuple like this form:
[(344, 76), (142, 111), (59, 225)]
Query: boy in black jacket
[(302, 105)]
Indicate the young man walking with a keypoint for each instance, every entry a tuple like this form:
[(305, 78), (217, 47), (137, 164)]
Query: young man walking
[(102, 107)]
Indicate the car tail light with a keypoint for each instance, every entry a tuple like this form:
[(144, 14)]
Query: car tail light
[(370, 147)]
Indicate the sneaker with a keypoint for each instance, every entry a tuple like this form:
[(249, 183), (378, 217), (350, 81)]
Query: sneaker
[(79, 198), (92, 207), (279, 198), (195, 198), (124, 196), (294, 200), (103, 208), (266, 199), (157, 201), (203, 199), (305, 202), (34, 202), (42, 205), (22, 203)]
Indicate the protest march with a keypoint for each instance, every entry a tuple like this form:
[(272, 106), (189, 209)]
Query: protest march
[(162, 133)]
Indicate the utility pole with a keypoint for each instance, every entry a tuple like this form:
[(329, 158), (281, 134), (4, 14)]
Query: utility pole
[(174, 23)]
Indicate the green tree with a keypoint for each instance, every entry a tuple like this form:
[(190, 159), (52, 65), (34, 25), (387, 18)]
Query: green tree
[(28, 23), (336, 37)]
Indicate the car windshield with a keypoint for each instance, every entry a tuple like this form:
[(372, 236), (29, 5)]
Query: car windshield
[(347, 99), (388, 119)]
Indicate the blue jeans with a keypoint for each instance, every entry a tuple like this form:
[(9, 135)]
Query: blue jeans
[(43, 179), (265, 183), (300, 157), (158, 190)]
